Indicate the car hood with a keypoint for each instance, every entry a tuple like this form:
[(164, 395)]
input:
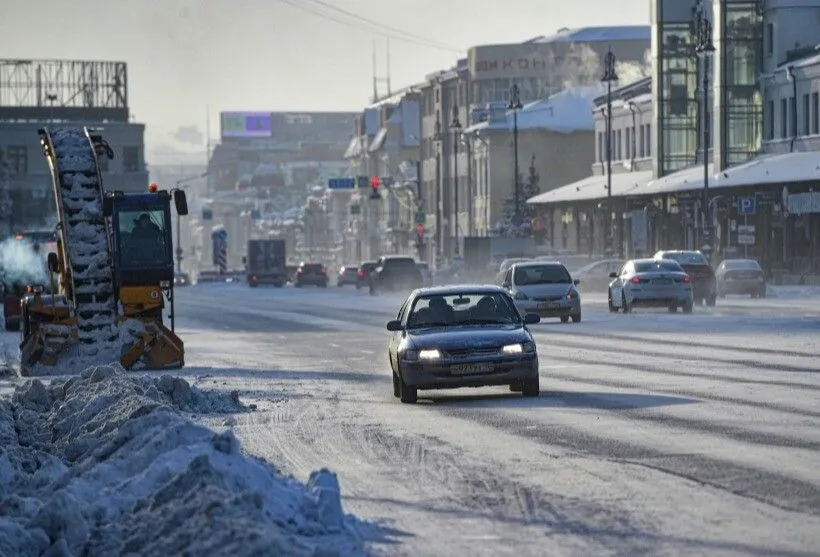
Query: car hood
[(545, 290), (452, 338)]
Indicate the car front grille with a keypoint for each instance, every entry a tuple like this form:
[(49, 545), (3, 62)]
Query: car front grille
[(546, 298), (470, 352)]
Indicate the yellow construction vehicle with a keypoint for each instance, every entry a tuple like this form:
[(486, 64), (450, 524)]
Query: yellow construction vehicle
[(113, 266)]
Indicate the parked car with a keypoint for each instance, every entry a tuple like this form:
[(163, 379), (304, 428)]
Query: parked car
[(544, 288), (347, 275), (741, 276), (694, 263), (363, 274), (651, 283), (395, 272), (461, 336), (595, 277), (311, 274)]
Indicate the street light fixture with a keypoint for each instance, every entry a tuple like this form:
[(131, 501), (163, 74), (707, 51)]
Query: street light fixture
[(179, 250), (515, 106), (456, 128), (610, 76), (704, 48)]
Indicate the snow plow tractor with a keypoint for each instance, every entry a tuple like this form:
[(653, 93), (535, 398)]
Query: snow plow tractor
[(112, 271)]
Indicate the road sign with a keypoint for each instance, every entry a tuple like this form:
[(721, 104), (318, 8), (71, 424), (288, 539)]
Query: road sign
[(746, 206), (746, 229), (341, 183), (746, 239), (386, 181), (363, 181)]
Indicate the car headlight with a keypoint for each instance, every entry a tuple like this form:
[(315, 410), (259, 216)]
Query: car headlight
[(512, 349), (520, 295), (429, 354)]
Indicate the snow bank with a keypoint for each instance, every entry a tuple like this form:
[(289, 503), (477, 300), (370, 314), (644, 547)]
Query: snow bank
[(104, 464), (792, 292)]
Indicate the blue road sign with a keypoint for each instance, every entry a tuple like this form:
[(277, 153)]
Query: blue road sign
[(386, 181), (363, 181), (746, 206), (341, 183)]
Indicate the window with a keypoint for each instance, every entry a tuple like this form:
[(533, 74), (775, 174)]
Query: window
[(626, 147), (806, 115), (17, 157), (770, 120), (618, 145), (131, 159), (648, 140), (815, 118), (784, 118), (541, 274), (467, 308), (769, 39), (793, 116), (600, 146), (643, 140), (143, 238)]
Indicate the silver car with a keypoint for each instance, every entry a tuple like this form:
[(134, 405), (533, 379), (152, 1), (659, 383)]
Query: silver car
[(544, 288), (651, 283)]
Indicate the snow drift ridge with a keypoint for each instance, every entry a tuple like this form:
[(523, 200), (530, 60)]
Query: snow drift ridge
[(104, 464)]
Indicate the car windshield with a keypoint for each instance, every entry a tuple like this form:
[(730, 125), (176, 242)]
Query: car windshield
[(687, 257), (541, 274), (462, 309), (745, 264), (654, 266)]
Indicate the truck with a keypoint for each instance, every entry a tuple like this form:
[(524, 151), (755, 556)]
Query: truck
[(266, 263), (482, 255)]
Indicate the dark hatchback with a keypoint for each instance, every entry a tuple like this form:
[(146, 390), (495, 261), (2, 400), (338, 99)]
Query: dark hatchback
[(311, 274), (694, 263), (447, 337)]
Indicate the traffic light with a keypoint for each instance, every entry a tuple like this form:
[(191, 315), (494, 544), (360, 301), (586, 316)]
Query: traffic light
[(374, 188)]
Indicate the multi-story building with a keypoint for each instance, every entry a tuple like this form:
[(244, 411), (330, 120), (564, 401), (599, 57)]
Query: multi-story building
[(38, 93), (540, 67), (386, 144), (752, 193), (555, 139)]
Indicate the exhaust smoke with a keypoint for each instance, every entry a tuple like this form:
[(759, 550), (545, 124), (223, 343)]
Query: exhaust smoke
[(22, 262)]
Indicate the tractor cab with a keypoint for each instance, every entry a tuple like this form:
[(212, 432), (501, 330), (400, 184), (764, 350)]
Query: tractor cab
[(142, 236)]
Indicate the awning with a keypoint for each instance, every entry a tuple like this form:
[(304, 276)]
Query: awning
[(378, 140), (595, 187)]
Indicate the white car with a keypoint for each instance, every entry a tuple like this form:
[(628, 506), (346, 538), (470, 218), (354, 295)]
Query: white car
[(651, 283), (545, 288)]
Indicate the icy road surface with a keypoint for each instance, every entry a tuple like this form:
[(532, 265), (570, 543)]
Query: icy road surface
[(655, 433)]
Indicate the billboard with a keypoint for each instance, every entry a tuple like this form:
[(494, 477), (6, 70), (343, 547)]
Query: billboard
[(245, 124)]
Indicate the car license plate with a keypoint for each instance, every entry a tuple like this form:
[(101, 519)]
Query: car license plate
[(664, 282), (549, 305), (471, 369)]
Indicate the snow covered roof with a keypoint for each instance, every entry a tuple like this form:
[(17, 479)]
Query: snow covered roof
[(595, 187), (566, 112), (598, 34), (781, 168)]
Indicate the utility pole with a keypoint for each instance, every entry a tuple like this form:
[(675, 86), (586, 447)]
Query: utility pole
[(515, 105), (609, 76), (704, 48), (437, 140), (456, 128)]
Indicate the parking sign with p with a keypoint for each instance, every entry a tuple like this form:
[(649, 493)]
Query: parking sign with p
[(746, 206)]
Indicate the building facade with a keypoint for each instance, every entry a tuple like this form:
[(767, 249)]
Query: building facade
[(762, 175), (41, 93), (540, 67)]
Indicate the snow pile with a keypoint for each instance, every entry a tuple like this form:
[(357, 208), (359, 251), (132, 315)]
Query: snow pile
[(792, 292), (104, 464)]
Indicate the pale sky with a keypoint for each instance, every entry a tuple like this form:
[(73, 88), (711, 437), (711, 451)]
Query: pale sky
[(186, 55)]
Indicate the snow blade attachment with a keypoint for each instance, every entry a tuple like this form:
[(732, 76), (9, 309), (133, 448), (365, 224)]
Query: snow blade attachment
[(157, 347)]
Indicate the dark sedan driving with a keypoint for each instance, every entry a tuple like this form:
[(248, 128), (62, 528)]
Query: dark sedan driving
[(461, 336)]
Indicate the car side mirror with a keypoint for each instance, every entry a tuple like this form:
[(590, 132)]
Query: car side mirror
[(576, 282), (181, 202), (531, 318), (613, 275), (53, 263), (394, 326)]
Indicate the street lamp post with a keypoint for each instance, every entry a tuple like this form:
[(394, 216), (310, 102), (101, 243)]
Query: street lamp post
[(704, 48), (439, 232), (515, 106), (610, 76), (456, 128)]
